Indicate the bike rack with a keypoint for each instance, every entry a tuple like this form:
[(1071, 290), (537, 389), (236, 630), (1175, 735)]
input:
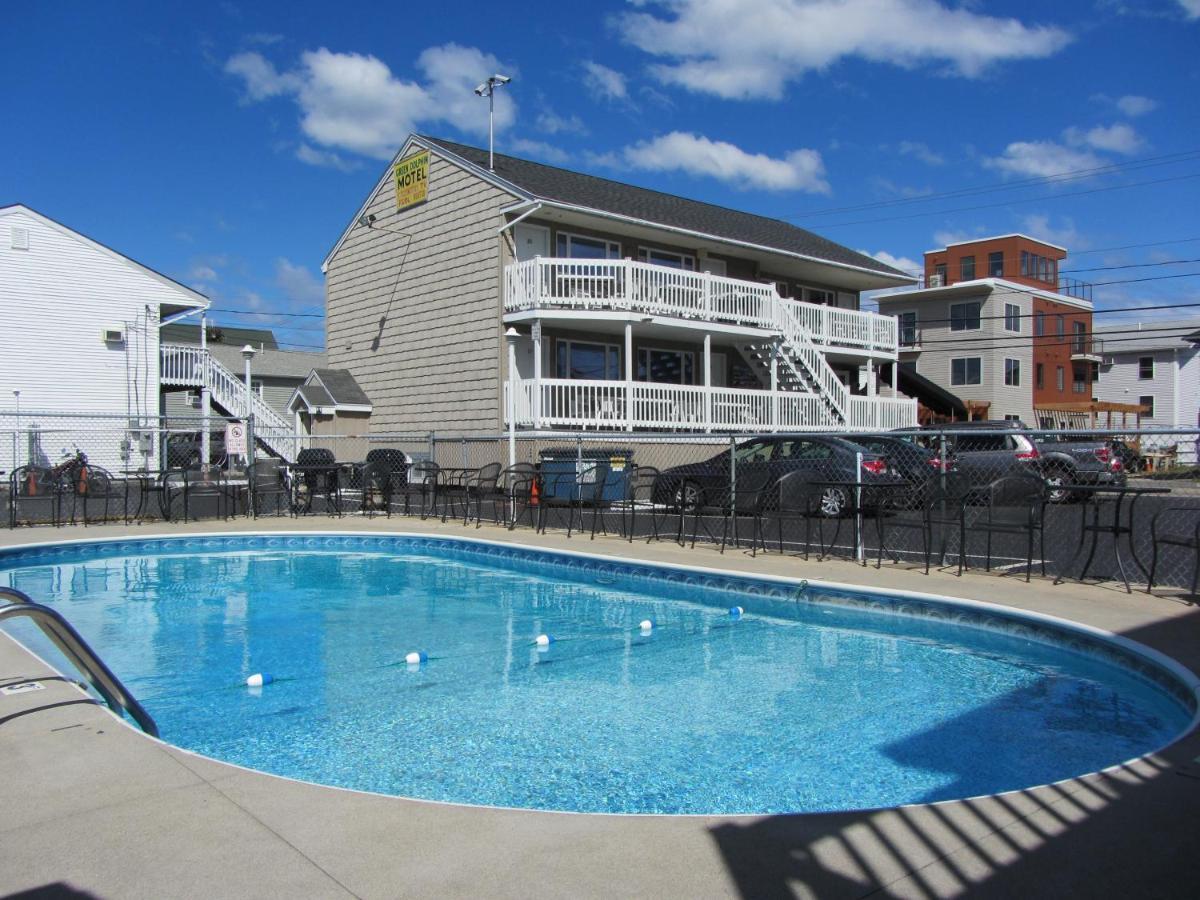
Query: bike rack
[(72, 645)]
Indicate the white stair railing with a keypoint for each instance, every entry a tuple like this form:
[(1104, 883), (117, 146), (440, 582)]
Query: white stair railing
[(799, 348), (195, 367)]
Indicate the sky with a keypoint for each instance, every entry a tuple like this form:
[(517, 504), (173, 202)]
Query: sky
[(228, 144)]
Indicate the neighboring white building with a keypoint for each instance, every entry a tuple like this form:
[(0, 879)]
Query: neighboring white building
[(1160, 371), (80, 324)]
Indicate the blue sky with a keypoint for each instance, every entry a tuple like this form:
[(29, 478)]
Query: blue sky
[(228, 146)]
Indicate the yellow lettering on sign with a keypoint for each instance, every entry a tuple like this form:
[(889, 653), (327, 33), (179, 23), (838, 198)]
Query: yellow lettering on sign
[(412, 180)]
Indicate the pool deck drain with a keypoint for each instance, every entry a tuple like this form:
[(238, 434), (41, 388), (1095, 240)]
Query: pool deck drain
[(91, 807)]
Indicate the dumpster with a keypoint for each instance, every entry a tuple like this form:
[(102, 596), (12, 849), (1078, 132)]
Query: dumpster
[(562, 467)]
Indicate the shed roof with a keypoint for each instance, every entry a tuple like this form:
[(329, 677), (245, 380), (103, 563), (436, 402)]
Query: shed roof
[(342, 387)]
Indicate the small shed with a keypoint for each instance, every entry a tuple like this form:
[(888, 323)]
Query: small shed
[(330, 404)]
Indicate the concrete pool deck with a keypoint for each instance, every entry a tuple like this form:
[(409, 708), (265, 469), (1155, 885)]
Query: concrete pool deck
[(91, 807)]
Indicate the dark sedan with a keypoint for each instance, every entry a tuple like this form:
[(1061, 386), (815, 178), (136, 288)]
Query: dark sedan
[(825, 458)]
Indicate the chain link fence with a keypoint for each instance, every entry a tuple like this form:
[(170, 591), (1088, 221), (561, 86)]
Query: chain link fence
[(1114, 504)]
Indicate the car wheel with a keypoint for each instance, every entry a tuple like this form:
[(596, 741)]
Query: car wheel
[(1056, 478), (687, 496), (833, 502)]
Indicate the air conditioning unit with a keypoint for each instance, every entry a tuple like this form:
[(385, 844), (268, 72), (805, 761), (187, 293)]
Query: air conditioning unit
[(936, 280), (112, 334)]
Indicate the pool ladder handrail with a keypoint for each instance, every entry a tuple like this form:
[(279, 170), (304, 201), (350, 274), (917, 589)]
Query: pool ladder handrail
[(77, 651)]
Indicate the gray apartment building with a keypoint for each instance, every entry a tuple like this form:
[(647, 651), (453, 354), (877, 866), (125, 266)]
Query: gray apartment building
[(621, 308)]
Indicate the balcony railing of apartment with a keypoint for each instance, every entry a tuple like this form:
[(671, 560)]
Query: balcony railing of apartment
[(1086, 347), (626, 405), (630, 286), (1071, 287)]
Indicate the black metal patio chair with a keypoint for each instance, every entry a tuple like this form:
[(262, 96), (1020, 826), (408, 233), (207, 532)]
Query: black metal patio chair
[(1179, 527), (937, 506), (317, 476), (421, 483), (566, 490), (33, 490), (270, 490), (388, 474), (510, 487), (1013, 504), (795, 498), (90, 487), (639, 497), (743, 498)]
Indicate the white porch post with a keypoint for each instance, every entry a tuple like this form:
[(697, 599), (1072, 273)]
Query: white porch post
[(708, 404), (872, 393), (205, 396), (511, 335), (775, 385), (537, 373), (629, 376)]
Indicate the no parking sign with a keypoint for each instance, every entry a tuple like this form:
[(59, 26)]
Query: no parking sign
[(235, 438)]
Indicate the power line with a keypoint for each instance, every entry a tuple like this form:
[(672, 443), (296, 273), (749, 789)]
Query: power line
[(1166, 262), (251, 312), (1020, 341), (1038, 181), (1041, 199)]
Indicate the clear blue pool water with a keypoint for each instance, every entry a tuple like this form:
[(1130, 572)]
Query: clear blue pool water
[(799, 705)]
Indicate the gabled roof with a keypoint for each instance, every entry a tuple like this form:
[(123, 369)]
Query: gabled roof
[(187, 296), (532, 181), (232, 335), (330, 390)]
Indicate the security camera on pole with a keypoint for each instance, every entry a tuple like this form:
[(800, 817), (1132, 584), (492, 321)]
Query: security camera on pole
[(488, 89)]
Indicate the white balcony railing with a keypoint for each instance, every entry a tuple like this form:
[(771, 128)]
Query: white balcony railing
[(624, 405), (631, 286)]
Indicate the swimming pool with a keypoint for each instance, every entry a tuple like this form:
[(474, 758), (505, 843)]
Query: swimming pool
[(814, 698)]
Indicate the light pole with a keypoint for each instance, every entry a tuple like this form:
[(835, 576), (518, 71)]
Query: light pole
[(511, 335), (247, 355), (488, 89), (205, 397)]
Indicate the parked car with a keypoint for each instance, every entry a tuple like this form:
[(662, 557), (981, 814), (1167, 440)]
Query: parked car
[(986, 450), (825, 457), (184, 449), (911, 459), (1131, 459)]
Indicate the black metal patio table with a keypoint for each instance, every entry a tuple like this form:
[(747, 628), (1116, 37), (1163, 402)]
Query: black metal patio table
[(314, 479), (1115, 526)]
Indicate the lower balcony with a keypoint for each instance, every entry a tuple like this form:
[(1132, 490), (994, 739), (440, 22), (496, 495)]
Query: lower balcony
[(561, 403)]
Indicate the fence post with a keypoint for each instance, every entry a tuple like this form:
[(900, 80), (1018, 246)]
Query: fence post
[(464, 453), (732, 466), (858, 513), (432, 447), (250, 498)]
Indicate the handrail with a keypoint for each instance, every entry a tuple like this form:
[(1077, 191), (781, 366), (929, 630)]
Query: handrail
[(72, 645)]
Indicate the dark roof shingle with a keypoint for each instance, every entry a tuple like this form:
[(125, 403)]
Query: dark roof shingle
[(342, 387), (564, 186)]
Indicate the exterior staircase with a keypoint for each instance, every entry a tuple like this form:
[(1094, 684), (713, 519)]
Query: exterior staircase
[(802, 366), (190, 366)]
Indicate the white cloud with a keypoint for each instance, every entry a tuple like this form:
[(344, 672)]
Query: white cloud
[(1191, 8), (1065, 234), (539, 150), (903, 263), (603, 82), (202, 273), (752, 48), (353, 102), (552, 123), (1134, 105), (1118, 138), (1042, 159), (921, 151), (327, 158), (946, 237), (298, 284), (799, 170)]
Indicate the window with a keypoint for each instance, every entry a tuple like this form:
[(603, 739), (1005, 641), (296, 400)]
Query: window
[(1079, 379), (801, 449), (1148, 403), (1095, 372), (964, 316), (908, 329), (996, 265), (1012, 372), (816, 295), (1060, 378), (1145, 368), (575, 246), (755, 451), (1039, 323), (966, 370), (1039, 375), (939, 272), (1012, 317), (1025, 262), (1060, 325), (967, 267), (1011, 417), (667, 258), (589, 362), (666, 366)]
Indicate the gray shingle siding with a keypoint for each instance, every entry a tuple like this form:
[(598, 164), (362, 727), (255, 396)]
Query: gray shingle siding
[(435, 362)]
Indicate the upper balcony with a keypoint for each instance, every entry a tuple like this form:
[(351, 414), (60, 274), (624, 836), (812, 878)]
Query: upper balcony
[(636, 288), (1045, 281)]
